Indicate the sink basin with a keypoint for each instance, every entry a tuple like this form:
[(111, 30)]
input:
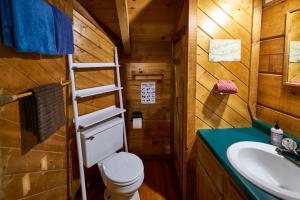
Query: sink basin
[(261, 165)]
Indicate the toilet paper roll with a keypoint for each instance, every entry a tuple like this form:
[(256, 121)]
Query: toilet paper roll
[(137, 123)]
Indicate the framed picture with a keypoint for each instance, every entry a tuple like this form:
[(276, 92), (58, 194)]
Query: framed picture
[(224, 50), (271, 2)]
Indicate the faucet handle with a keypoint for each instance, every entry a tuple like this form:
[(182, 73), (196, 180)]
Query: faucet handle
[(289, 145)]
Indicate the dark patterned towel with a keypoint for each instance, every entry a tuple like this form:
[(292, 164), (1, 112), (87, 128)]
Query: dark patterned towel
[(44, 110)]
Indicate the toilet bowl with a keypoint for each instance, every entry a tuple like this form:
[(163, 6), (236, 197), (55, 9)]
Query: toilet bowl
[(122, 174)]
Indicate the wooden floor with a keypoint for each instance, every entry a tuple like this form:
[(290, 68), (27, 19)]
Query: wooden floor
[(160, 183)]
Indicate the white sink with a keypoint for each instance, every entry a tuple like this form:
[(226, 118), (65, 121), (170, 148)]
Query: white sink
[(261, 165)]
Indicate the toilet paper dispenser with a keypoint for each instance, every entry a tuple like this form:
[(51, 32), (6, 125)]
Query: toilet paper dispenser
[(137, 120)]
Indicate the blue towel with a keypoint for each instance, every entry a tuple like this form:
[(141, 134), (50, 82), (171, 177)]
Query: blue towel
[(63, 32), (6, 21), (33, 26)]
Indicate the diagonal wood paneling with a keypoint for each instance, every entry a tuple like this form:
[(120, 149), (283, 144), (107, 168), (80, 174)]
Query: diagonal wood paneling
[(235, 10), (212, 10), (219, 19), (242, 72), (212, 29)]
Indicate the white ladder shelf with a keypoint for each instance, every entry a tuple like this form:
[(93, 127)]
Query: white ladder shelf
[(91, 119)]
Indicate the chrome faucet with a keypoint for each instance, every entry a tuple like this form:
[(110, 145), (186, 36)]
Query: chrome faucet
[(293, 157)]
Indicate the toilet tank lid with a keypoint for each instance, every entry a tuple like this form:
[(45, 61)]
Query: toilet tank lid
[(101, 127), (123, 167)]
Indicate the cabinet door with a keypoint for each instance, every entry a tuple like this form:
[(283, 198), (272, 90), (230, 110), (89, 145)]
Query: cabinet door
[(210, 164), (206, 190), (231, 190)]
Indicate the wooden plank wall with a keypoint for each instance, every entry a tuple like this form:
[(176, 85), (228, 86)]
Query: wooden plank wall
[(275, 101), (180, 67), (154, 137), (91, 45), (189, 157), (294, 68), (219, 19), (29, 170), (152, 24), (104, 11), (152, 20)]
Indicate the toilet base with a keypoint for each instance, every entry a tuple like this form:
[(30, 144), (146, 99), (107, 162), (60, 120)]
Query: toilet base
[(112, 196)]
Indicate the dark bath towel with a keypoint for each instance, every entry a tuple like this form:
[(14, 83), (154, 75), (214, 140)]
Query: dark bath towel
[(44, 110), (6, 22), (63, 32), (33, 26)]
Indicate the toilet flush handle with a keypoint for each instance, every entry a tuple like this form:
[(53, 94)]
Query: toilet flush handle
[(90, 138)]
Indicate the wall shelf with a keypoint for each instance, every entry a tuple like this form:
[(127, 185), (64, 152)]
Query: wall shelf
[(96, 90), (148, 76)]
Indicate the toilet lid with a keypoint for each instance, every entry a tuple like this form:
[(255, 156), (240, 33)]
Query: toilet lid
[(123, 167)]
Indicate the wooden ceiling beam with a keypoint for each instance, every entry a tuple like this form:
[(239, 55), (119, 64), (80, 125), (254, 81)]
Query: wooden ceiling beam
[(122, 10)]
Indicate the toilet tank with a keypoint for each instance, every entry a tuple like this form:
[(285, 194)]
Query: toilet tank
[(102, 140)]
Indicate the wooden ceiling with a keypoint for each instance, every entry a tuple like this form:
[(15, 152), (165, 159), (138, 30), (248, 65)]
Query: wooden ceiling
[(149, 20), (105, 12), (152, 20)]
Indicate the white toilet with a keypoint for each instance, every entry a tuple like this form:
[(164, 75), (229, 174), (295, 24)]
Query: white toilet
[(122, 172)]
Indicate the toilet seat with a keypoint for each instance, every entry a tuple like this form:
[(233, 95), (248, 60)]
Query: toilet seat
[(123, 169), (125, 187), (122, 174)]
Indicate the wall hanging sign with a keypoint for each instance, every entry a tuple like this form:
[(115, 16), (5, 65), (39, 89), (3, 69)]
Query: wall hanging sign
[(147, 92), (294, 51), (224, 50)]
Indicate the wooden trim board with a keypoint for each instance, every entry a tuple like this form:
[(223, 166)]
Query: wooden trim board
[(255, 49), (122, 9), (190, 104)]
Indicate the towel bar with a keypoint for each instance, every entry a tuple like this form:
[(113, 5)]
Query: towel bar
[(148, 76), (5, 99)]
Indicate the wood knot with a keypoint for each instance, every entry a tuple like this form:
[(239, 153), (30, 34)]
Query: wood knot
[(293, 93)]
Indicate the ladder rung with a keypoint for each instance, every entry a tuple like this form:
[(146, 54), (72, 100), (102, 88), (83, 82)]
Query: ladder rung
[(96, 90), (93, 65), (93, 118)]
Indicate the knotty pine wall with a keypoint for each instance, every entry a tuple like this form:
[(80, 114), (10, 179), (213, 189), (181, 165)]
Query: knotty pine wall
[(91, 45), (152, 25), (152, 57), (218, 19), (29, 170), (276, 101), (180, 66), (40, 171)]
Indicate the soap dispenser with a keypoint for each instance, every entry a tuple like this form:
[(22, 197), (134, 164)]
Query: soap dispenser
[(276, 135)]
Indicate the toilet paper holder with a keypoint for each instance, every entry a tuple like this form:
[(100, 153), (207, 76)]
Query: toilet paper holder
[(137, 120), (136, 114)]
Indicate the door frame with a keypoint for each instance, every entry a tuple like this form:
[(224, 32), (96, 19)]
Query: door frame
[(177, 38)]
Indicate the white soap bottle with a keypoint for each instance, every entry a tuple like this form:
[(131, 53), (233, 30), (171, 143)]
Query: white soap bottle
[(276, 135)]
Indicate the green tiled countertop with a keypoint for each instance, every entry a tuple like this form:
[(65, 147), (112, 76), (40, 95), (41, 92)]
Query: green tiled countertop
[(218, 140)]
